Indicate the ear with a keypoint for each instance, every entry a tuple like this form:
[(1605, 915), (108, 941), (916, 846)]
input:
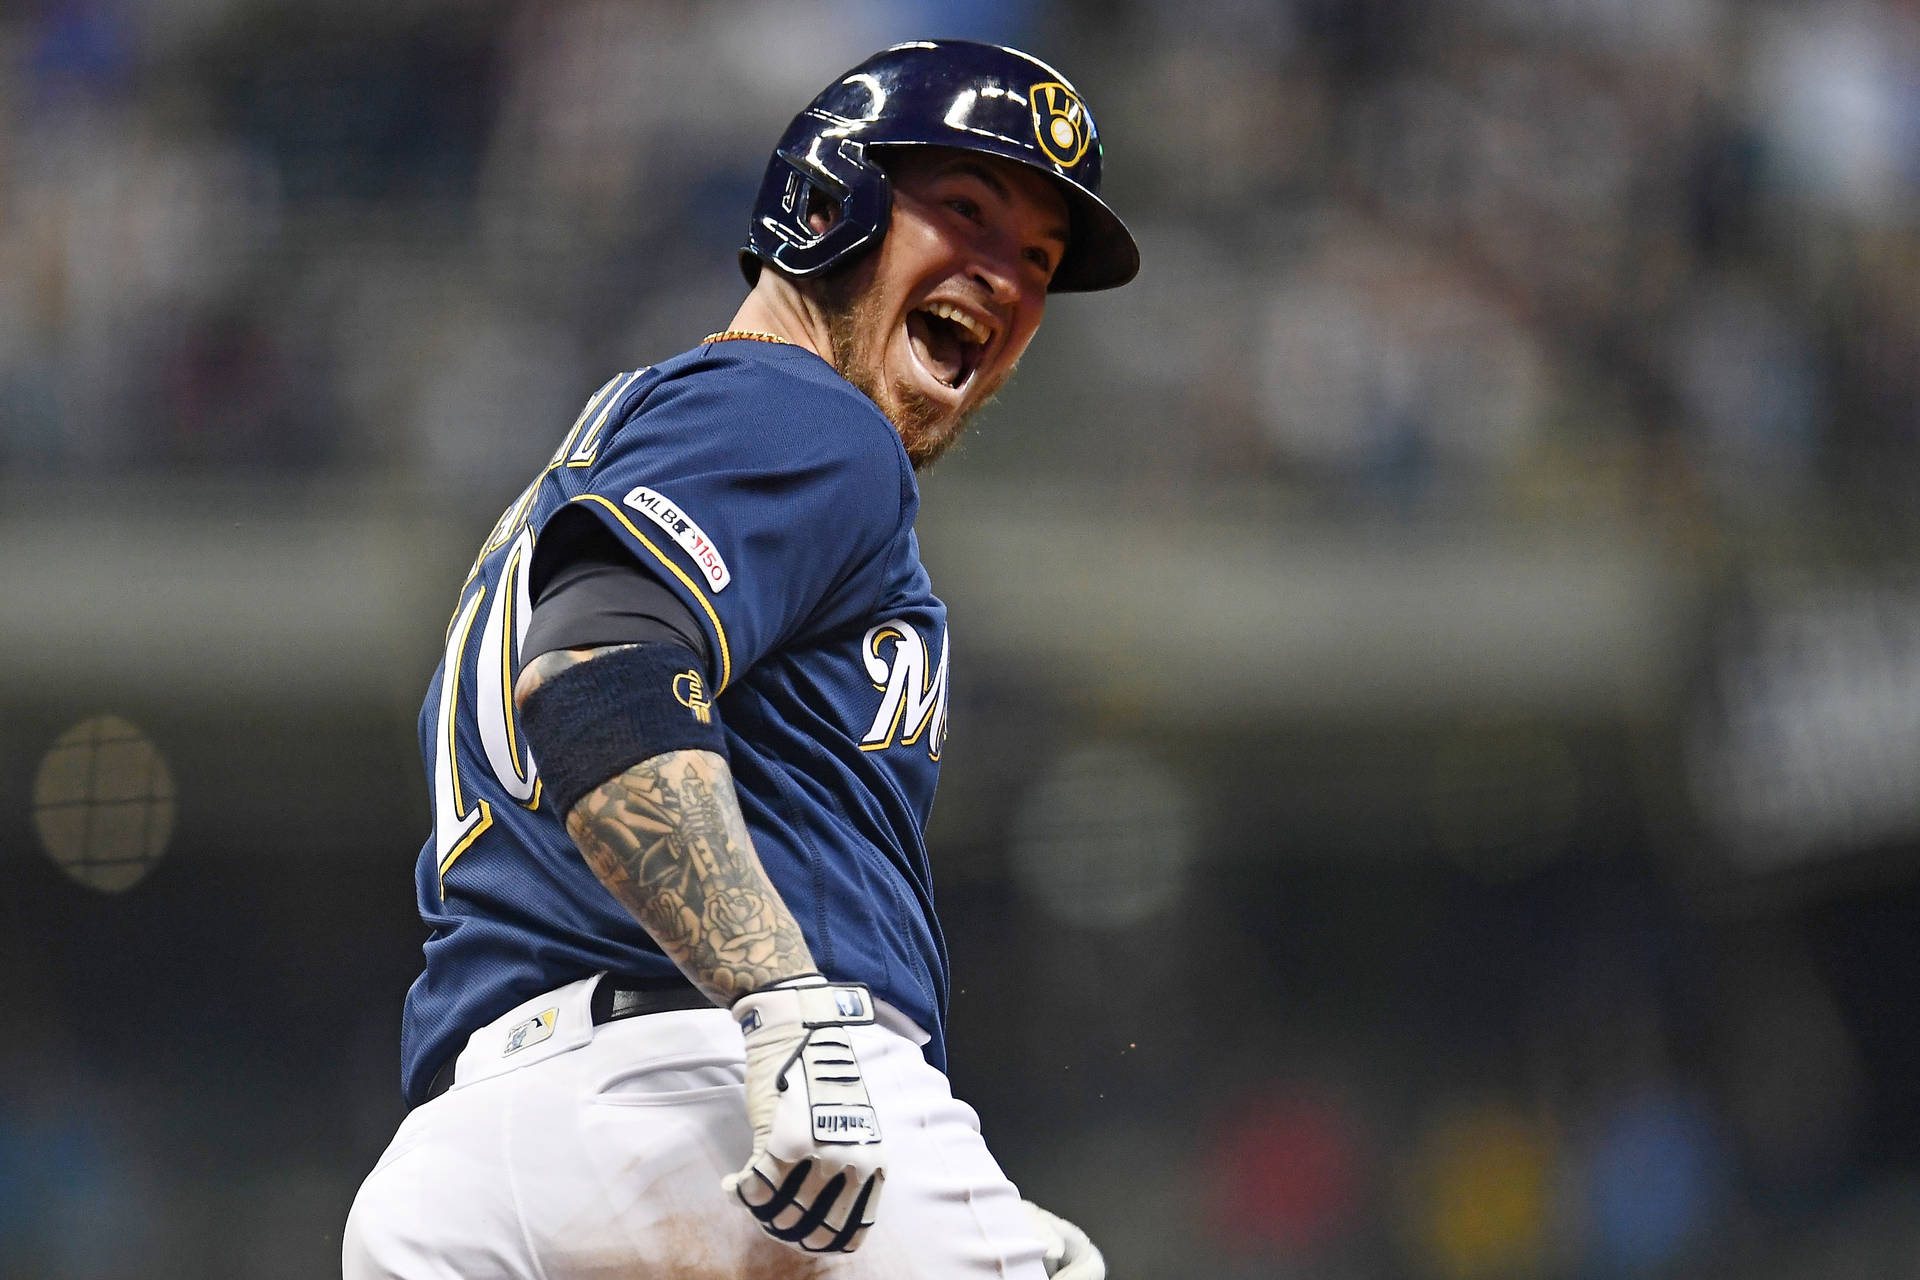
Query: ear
[(822, 211)]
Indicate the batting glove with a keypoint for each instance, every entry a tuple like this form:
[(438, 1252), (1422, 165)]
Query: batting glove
[(1069, 1254), (814, 1178)]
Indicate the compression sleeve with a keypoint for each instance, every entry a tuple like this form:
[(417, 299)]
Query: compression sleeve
[(589, 591)]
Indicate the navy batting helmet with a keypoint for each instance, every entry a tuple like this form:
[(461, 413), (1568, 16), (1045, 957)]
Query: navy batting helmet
[(937, 93)]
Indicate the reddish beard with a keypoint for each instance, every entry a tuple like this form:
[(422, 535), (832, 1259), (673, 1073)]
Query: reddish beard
[(927, 427)]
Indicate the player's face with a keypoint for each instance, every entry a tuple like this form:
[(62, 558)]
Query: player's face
[(931, 325)]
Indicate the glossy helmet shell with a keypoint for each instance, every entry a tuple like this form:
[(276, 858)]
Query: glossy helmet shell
[(934, 93)]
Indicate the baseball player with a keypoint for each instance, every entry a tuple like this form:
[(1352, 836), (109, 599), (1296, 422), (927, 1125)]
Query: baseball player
[(685, 995)]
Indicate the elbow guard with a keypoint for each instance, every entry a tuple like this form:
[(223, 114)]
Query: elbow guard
[(599, 718)]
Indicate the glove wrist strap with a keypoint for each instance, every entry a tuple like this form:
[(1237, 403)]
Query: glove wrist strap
[(811, 978), (817, 1004)]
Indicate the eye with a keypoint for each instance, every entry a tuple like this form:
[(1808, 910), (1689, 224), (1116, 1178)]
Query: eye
[(1041, 259), (966, 208)]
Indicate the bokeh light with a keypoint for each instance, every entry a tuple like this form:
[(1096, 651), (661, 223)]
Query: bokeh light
[(103, 804), (1104, 837)]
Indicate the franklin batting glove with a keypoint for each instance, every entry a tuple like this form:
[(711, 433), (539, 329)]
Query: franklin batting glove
[(1069, 1254), (814, 1178)]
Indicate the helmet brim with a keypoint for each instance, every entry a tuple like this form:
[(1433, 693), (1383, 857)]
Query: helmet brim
[(1102, 253)]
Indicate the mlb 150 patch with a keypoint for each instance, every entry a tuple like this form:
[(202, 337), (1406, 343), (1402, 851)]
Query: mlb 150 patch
[(679, 526)]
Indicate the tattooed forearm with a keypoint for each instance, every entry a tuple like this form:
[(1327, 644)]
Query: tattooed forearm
[(666, 837)]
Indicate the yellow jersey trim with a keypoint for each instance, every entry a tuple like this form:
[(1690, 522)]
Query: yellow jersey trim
[(509, 630)]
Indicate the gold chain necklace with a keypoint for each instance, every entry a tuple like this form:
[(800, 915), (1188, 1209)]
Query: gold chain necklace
[(748, 335)]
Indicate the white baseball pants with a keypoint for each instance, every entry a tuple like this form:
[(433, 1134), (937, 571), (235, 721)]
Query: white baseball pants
[(598, 1152)]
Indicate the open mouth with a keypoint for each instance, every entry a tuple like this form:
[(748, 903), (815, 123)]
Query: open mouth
[(948, 343)]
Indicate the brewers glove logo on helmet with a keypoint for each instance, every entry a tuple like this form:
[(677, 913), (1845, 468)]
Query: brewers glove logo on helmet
[(1059, 123)]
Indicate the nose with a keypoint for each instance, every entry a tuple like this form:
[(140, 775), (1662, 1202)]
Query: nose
[(996, 268)]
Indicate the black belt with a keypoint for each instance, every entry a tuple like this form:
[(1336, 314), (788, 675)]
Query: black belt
[(613, 999)]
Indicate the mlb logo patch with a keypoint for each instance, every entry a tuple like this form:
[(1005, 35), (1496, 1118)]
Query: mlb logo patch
[(535, 1029)]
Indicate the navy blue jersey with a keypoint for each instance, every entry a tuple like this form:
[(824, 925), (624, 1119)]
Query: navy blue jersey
[(776, 500)]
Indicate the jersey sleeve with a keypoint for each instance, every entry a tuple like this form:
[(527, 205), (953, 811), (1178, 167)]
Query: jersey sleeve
[(772, 511)]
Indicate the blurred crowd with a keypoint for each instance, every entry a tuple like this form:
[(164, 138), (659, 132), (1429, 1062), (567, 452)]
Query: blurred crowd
[(1493, 260), (1487, 252)]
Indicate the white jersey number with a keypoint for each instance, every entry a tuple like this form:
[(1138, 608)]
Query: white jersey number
[(455, 826)]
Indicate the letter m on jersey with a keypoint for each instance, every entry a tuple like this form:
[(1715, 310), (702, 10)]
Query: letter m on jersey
[(913, 691)]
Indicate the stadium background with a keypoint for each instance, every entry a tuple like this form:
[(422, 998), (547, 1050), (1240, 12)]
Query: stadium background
[(1432, 783)]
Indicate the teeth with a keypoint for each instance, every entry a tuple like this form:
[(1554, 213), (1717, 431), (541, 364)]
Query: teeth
[(976, 332)]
